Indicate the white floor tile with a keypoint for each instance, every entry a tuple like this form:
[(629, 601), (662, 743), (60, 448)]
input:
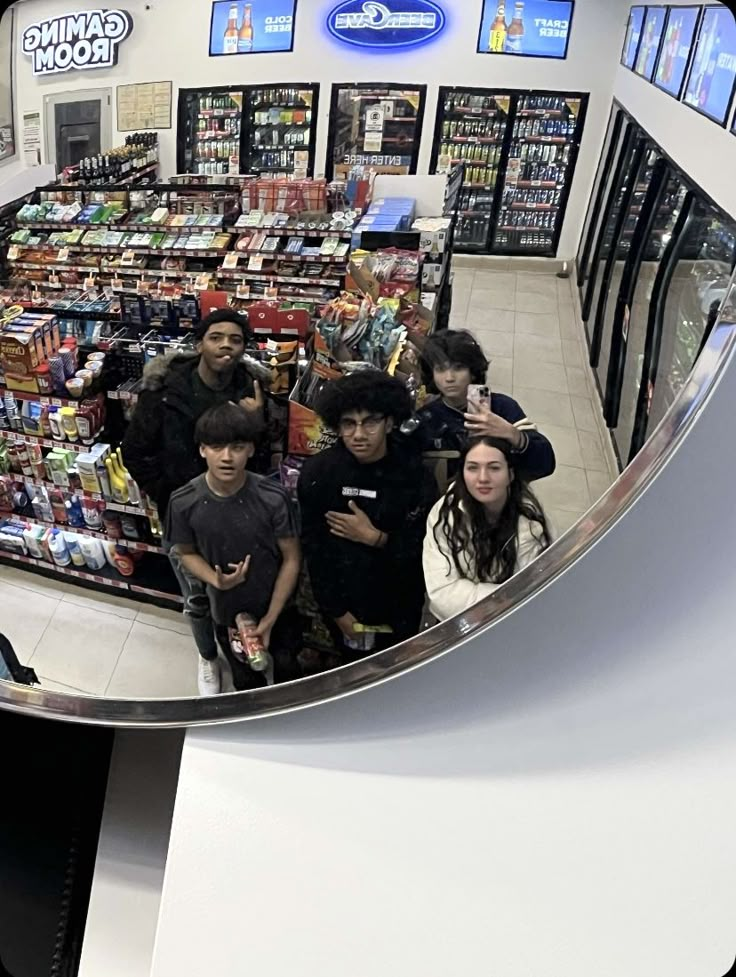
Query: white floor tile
[(107, 603), (565, 442), (537, 349), (567, 489), (34, 582), (504, 280), (536, 303), (598, 484), (155, 664), (460, 301), (578, 381), (24, 616), (51, 686), (572, 351), (81, 647), (160, 617), (491, 298), (544, 407), (540, 376), (588, 415), (570, 327), (532, 284), (560, 520), (593, 454), (501, 374), (538, 324), (497, 320), (495, 344)]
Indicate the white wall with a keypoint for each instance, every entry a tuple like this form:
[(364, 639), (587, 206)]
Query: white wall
[(170, 41), (703, 149)]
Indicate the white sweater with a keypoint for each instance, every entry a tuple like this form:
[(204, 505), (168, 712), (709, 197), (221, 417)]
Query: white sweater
[(450, 594)]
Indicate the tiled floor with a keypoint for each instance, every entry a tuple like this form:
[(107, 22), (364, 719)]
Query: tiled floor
[(81, 641)]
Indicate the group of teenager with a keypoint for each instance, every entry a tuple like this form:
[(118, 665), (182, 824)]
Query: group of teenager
[(383, 543)]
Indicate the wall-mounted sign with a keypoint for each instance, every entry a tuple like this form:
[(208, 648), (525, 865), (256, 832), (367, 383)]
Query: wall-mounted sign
[(88, 39), (388, 25), (651, 38), (534, 28), (673, 60), (710, 85), (259, 27), (633, 36)]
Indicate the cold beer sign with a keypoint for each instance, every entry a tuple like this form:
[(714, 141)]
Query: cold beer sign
[(387, 26), (88, 39)]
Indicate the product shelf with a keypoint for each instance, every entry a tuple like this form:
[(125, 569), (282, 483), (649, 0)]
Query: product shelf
[(83, 531), (45, 399), (46, 442)]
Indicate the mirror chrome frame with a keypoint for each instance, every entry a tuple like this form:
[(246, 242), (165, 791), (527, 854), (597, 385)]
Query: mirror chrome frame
[(439, 640)]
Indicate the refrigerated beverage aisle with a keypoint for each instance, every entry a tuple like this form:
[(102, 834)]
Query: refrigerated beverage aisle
[(472, 127), (280, 130), (546, 135), (209, 132)]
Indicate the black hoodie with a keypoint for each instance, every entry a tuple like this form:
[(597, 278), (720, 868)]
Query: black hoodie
[(379, 586), (158, 447)]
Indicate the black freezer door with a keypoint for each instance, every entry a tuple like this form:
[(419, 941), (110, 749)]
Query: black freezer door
[(280, 129), (210, 130), (472, 127), (547, 130), (377, 125)]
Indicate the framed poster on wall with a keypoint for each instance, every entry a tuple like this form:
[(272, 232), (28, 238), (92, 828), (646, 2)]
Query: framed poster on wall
[(651, 38), (676, 50), (257, 27), (633, 36), (533, 29), (710, 84), (7, 114)]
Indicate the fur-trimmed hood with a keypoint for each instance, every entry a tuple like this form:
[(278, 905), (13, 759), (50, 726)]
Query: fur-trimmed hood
[(159, 372)]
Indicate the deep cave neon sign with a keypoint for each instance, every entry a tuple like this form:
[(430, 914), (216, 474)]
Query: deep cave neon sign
[(386, 25)]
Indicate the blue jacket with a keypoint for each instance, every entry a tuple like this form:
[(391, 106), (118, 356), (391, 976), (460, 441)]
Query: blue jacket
[(442, 428)]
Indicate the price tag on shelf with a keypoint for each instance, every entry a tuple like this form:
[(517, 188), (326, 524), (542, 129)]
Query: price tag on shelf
[(272, 292), (202, 283), (90, 282), (242, 292), (176, 293), (13, 252), (117, 284), (128, 258), (54, 279), (255, 263), (231, 261), (63, 254), (142, 287)]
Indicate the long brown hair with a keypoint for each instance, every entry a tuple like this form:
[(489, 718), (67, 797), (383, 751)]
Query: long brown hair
[(464, 527)]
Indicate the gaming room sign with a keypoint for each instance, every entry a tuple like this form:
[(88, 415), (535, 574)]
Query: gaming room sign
[(88, 39)]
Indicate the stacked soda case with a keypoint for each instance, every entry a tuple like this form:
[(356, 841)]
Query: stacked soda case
[(544, 135)]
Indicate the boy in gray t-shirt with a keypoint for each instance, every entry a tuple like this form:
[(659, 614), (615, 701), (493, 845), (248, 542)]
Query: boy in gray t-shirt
[(236, 531)]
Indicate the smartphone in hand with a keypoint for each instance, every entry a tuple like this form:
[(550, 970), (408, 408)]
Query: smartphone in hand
[(479, 398)]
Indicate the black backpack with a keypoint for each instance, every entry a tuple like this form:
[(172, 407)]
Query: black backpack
[(19, 673)]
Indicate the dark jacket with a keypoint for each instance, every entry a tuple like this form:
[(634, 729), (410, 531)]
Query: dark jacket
[(158, 447), (442, 428), (378, 586)]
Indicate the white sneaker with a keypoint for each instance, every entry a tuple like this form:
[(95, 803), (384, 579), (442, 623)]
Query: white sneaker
[(208, 677)]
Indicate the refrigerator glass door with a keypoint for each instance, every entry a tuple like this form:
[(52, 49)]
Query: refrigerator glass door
[(547, 131), (471, 127), (704, 263), (606, 312), (608, 167), (620, 181), (211, 139), (665, 219), (280, 128), (375, 126)]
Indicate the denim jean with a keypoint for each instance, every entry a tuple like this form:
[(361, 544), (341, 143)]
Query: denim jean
[(196, 608)]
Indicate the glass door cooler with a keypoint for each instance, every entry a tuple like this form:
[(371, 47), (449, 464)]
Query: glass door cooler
[(546, 135), (375, 125), (210, 129), (471, 128), (280, 129)]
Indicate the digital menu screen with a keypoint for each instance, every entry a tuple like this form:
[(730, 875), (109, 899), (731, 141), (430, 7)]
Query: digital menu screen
[(535, 28), (676, 49), (633, 36), (258, 27), (651, 38), (711, 80)]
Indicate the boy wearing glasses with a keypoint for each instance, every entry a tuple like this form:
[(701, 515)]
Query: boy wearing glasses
[(364, 505)]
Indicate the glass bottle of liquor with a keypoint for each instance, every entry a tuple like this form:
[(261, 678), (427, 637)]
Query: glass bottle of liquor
[(230, 38), (245, 35), (497, 38), (515, 35)]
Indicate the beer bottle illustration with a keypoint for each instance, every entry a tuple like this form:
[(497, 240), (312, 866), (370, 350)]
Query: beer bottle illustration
[(230, 39), (245, 37), (515, 35), (497, 38)]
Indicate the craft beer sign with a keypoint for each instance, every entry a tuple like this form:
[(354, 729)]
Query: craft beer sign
[(387, 26), (88, 39)]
